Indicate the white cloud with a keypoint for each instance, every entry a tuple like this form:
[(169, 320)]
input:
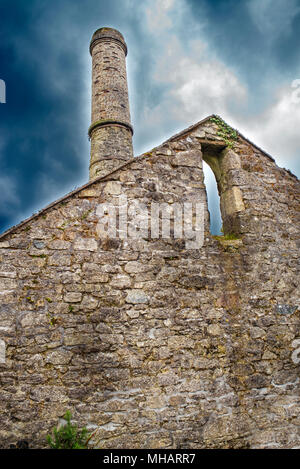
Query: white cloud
[(196, 82), (276, 129), (199, 86), (206, 88), (158, 14)]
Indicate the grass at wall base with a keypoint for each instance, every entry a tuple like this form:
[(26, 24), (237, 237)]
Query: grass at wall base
[(68, 436)]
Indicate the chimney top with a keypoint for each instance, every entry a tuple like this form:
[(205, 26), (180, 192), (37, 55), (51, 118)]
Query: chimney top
[(108, 33)]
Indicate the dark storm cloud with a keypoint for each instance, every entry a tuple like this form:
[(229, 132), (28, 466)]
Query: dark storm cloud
[(44, 147), (253, 35), (36, 122), (44, 60)]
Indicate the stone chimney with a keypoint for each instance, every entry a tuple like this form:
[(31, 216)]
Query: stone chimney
[(110, 131)]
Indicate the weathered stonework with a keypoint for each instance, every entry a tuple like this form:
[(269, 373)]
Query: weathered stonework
[(152, 344), (148, 343)]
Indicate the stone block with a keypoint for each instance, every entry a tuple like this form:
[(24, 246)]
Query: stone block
[(112, 188), (59, 244), (72, 297), (232, 201), (137, 297), (187, 158), (86, 244)]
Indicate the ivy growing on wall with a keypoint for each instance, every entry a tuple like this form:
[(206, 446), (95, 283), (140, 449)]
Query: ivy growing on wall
[(227, 133)]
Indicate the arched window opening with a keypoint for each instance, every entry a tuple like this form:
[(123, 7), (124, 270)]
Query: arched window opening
[(213, 200)]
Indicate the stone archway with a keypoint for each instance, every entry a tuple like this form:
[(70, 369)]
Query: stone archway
[(226, 165)]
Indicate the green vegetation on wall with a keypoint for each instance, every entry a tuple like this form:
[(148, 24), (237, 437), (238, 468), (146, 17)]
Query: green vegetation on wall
[(227, 133)]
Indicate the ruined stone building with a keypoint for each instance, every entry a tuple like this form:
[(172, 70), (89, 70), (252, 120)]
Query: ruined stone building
[(149, 342)]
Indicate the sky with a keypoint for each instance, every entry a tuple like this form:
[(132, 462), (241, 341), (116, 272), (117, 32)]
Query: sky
[(187, 59)]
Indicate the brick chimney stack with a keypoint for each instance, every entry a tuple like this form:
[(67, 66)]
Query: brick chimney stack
[(110, 131)]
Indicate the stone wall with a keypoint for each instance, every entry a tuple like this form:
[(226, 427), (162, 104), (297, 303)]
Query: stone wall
[(152, 344)]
